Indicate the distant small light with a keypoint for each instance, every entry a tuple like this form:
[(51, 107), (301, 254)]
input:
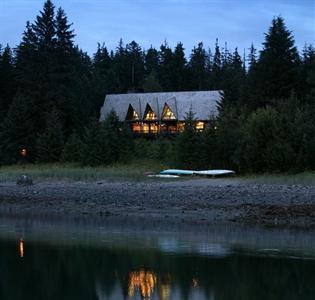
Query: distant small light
[(21, 248), (215, 127), (23, 152)]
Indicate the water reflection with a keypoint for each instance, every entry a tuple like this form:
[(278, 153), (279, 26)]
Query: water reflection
[(142, 281), (57, 271), (21, 248)]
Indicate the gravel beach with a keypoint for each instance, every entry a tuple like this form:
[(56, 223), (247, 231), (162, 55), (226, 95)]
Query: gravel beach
[(192, 201)]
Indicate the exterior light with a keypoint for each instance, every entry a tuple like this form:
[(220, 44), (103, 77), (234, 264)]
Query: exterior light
[(23, 152)]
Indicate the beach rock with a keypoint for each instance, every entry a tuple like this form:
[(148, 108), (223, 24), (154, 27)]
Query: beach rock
[(24, 180)]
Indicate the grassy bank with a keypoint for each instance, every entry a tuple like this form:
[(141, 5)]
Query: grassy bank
[(133, 171), (305, 178)]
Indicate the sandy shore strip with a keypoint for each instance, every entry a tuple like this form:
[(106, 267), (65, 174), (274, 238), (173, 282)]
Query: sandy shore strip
[(196, 201)]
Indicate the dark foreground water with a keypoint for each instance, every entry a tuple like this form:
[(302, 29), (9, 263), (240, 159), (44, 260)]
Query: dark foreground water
[(40, 260)]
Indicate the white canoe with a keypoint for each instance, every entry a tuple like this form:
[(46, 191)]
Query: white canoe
[(177, 172), (214, 172), (163, 176), (217, 172)]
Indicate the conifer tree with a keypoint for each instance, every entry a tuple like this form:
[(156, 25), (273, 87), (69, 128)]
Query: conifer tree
[(7, 80), (277, 65), (44, 27), (49, 144), (151, 61), (166, 66), (216, 73), (307, 74), (135, 64), (151, 83), (234, 80), (187, 143), (179, 68), (72, 150), (198, 65), (17, 131)]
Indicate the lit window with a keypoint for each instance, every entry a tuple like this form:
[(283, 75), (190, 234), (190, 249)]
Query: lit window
[(167, 113), (136, 127), (132, 114), (149, 113), (181, 126), (200, 125)]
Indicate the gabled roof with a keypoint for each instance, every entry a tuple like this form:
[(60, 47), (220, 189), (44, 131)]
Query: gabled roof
[(131, 114), (202, 103), (149, 114), (167, 113)]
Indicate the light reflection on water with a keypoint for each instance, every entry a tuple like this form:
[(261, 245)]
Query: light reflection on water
[(87, 263)]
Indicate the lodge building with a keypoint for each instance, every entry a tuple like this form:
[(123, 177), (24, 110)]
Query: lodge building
[(162, 113)]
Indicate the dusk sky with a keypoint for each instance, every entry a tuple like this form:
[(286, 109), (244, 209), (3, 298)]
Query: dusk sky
[(150, 22)]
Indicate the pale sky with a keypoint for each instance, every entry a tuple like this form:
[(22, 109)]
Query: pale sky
[(150, 22)]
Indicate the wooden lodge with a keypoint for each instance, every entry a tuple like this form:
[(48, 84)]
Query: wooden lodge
[(162, 113)]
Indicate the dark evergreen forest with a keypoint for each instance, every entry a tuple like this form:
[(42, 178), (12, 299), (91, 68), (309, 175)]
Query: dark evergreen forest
[(51, 92)]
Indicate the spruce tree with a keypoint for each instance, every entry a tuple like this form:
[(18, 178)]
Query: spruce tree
[(179, 68), (7, 80), (234, 80), (44, 27), (277, 67), (18, 131), (151, 83), (187, 143), (135, 66), (166, 67), (49, 144), (151, 61), (198, 65), (216, 72), (72, 150), (307, 74)]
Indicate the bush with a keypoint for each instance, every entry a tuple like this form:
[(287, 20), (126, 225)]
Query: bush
[(188, 144), (50, 144), (72, 151), (264, 147), (107, 142)]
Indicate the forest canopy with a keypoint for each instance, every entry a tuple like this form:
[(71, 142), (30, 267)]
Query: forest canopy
[(51, 92)]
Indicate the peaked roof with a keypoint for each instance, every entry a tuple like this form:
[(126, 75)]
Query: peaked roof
[(167, 113), (149, 114), (132, 114), (202, 103)]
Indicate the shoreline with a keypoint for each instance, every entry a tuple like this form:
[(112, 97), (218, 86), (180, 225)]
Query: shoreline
[(191, 201)]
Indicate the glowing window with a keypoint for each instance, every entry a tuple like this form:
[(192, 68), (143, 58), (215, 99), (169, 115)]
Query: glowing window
[(167, 113), (149, 113), (200, 125), (136, 127), (181, 126), (132, 114)]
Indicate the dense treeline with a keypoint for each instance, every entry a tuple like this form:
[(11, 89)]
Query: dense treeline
[(51, 93)]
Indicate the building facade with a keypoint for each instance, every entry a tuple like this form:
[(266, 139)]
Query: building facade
[(162, 113)]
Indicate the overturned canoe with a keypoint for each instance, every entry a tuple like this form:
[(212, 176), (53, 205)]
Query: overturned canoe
[(177, 172), (180, 172), (163, 176), (214, 172)]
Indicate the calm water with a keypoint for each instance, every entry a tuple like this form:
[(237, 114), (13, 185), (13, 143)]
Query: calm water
[(40, 260)]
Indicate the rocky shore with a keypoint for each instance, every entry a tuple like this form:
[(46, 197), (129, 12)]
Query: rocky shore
[(195, 201)]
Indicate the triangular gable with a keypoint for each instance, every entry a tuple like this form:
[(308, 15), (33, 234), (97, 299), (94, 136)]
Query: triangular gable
[(167, 113), (131, 115), (149, 114)]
